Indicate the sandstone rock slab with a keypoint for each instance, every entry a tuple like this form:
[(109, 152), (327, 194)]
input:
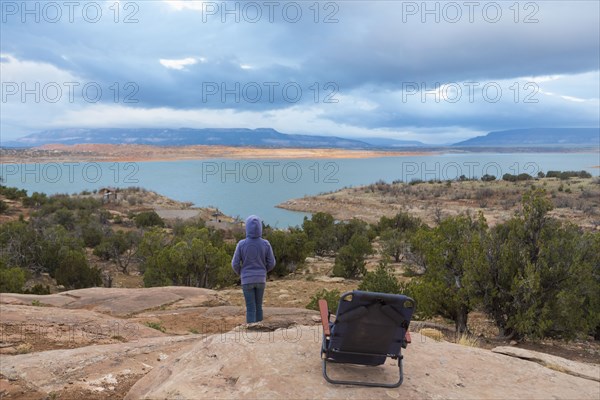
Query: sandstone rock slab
[(121, 301), (208, 320), (91, 368), (286, 364), (582, 370), (44, 328)]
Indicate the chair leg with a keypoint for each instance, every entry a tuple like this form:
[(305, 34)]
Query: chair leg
[(359, 383)]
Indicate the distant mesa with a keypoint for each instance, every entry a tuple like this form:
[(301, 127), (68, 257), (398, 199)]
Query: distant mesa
[(270, 138), (573, 137), (391, 143), (262, 137)]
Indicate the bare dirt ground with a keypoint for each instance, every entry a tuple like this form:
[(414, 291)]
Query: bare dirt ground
[(576, 200)]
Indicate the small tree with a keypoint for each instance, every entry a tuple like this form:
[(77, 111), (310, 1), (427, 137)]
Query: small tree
[(121, 247), (11, 279), (74, 272), (393, 244), (381, 280), (541, 277), (3, 207), (290, 248), (148, 218), (332, 297), (320, 230), (350, 260), (448, 252), (193, 260), (92, 234)]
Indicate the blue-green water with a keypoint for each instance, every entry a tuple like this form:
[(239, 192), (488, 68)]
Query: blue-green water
[(243, 187)]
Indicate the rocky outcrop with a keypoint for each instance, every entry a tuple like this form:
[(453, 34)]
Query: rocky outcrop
[(286, 364), (100, 344), (587, 371), (26, 329), (218, 319), (121, 302), (99, 368)]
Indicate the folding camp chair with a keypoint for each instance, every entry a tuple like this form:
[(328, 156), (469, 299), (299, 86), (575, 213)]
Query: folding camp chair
[(368, 328)]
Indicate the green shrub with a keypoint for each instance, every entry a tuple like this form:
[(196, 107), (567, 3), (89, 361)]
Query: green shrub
[(12, 193), (11, 279), (350, 260), (553, 174), (74, 272), (156, 325), (92, 235), (290, 248), (563, 175), (64, 217), (3, 207), (148, 218), (509, 177), (448, 254), (331, 296), (539, 277), (381, 280), (320, 230), (524, 177), (198, 258), (38, 289), (515, 178)]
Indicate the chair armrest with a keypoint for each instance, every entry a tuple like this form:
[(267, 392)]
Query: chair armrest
[(324, 316)]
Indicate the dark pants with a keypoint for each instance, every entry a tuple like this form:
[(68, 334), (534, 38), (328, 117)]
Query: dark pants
[(253, 294)]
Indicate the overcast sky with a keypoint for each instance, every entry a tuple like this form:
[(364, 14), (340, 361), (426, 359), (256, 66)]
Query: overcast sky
[(437, 72)]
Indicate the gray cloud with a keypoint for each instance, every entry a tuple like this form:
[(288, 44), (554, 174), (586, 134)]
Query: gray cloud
[(371, 54)]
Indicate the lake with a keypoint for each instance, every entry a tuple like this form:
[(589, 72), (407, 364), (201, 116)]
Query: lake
[(244, 187)]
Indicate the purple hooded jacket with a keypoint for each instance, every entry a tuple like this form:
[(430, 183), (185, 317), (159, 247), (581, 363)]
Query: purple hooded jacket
[(253, 256)]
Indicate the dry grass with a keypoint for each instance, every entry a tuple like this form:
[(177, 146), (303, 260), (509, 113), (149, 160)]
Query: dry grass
[(556, 367), (467, 339), (432, 333), (24, 348)]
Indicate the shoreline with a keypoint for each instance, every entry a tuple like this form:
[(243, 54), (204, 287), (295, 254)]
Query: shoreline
[(142, 153), (152, 153), (497, 200)]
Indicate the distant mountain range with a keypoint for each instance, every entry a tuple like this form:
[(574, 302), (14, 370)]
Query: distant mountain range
[(561, 137), (266, 137), (263, 137), (385, 142)]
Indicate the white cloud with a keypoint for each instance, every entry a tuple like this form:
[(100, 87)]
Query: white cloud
[(179, 64), (575, 99), (541, 79), (185, 4), (29, 72)]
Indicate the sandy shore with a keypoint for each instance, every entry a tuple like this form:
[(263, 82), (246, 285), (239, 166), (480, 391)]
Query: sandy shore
[(134, 152)]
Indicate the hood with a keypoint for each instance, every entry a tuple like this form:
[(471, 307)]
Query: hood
[(253, 227)]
